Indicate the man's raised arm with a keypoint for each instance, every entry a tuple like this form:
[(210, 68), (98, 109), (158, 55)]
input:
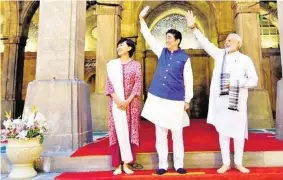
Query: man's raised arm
[(149, 38), (210, 48)]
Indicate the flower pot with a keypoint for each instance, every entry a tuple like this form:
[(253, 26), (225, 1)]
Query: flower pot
[(22, 154)]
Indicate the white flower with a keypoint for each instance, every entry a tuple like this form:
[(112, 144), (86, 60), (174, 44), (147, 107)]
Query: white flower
[(17, 122), (8, 124), (22, 134), (30, 121), (41, 130), (19, 128)]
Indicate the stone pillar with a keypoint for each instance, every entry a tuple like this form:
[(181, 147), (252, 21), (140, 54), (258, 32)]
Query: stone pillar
[(246, 18), (140, 56), (129, 29), (108, 34), (128, 23), (279, 102), (140, 48), (12, 76), (58, 90), (224, 17)]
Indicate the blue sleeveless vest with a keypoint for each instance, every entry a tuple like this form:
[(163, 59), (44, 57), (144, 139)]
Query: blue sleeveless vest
[(168, 80)]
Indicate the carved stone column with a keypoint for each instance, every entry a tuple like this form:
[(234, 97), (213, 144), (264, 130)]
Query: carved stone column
[(248, 27), (12, 76), (59, 91), (108, 35)]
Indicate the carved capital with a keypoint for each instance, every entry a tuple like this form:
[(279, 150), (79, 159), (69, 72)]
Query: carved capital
[(246, 6), (109, 8), (15, 40)]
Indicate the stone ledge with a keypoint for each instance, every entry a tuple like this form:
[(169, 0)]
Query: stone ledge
[(62, 162)]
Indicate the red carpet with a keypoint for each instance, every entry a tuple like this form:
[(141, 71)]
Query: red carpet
[(200, 174), (199, 136)]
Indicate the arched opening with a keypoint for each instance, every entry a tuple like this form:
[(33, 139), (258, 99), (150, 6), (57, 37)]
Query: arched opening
[(13, 42), (175, 21), (91, 82), (90, 74), (27, 57)]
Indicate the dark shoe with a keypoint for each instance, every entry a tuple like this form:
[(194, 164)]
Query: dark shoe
[(160, 171), (181, 171)]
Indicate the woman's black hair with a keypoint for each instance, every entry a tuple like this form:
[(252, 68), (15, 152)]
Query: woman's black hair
[(129, 43)]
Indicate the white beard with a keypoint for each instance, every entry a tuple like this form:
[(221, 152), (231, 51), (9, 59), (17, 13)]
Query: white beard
[(229, 49)]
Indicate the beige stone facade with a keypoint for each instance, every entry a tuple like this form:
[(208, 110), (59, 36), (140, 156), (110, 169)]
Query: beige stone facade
[(77, 47)]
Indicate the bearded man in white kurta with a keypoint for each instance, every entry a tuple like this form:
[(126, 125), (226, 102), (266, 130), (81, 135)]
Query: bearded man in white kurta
[(234, 73), (169, 95)]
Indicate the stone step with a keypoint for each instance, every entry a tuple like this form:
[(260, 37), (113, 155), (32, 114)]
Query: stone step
[(62, 162), (39, 176)]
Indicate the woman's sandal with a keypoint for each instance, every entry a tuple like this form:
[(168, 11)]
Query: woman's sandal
[(136, 166)]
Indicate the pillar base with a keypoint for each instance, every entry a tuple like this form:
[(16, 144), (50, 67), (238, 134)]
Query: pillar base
[(99, 107), (279, 111), (66, 106), (259, 110)]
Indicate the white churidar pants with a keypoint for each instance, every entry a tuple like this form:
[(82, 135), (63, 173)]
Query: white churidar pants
[(224, 142), (162, 147)]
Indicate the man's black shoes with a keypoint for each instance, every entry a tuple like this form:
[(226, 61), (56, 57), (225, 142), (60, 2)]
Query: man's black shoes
[(160, 171), (181, 171)]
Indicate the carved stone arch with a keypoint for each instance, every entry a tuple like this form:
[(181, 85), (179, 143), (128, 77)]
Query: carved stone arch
[(204, 12), (88, 73), (183, 6), (28, 13), (26, 10), (91, 24), (271, 17), (138, 10), (11, 40), (168, 11), (89, 77)]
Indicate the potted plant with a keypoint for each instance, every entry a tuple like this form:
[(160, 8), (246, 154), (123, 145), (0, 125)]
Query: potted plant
[(25, 138)]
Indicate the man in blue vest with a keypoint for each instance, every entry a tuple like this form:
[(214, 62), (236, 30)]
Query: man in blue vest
[(169, 95)]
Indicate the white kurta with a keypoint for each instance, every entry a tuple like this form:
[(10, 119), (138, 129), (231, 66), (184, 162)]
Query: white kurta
[(227, 122), (166, 113)]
